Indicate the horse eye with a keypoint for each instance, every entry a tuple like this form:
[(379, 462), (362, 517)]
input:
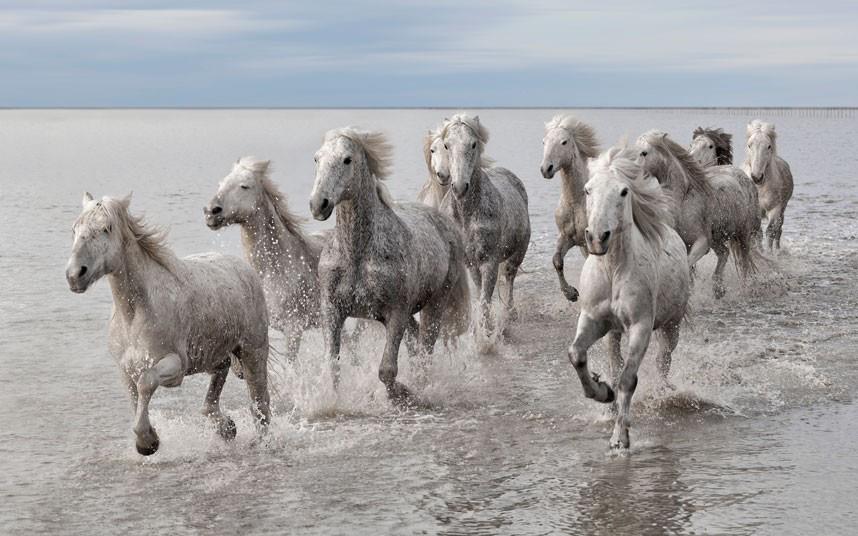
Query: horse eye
[(432, 151), (643, 153), (474, 145), (770, 146), (106, 230), (625, 192), (711, 146), (446, 148), (347, 160), (564, 142), (316, 159), (245, 187), (586, 191)]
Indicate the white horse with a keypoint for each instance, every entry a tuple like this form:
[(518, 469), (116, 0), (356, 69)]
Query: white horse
[(711, 147), (438, 165), (714, 208), (490, 210), (171, 317), (386, 262), (635, 281), (285, 258), (567, 147), (771, 175)]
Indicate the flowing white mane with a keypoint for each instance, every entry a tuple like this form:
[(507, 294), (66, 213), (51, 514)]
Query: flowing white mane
[(111, 213), (473, 124), (379, 155), (582, 133), (766, 129), (690, 174), (261, 169), (651, 206)]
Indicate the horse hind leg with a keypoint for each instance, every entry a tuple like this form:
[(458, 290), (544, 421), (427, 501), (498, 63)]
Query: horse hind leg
[(255, 364), (211, 407), (723, 254), (510, 271), (168, 372)]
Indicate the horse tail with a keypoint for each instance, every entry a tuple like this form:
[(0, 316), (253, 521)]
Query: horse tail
[(457, 319)]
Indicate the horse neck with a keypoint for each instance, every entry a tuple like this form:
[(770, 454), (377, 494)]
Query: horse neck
[(131, 281), (621, 256), (467, 206), (356, 216), (573, 177), (269, 244)]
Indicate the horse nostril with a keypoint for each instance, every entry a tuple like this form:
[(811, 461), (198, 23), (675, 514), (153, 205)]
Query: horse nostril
[(82, 271), (587, 235), (550, 168), (605, 236), (325, 203), (217, 209)]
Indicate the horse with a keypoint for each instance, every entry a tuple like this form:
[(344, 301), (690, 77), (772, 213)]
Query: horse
[(171, 317), (386, 261), (568, 146), (283, 255), (771, 175), (635, 281), (711, 147), (437, 164), (490, 210), (713, 208)]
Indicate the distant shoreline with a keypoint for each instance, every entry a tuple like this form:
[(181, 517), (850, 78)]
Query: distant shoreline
[(621, 108)]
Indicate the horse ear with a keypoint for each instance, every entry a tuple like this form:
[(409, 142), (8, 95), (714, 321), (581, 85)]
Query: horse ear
[(87, 197), (264, 165), (476, 119), (126, 201)]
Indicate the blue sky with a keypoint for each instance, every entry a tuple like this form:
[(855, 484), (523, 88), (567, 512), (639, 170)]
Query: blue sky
[(462, 53)]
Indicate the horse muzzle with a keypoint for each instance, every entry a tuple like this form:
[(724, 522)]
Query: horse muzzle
[(78, 279), (321, 208), (597, 246), (547, 171)]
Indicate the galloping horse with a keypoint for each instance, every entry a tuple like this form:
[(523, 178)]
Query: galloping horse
[(385, 262), (171, 317), (635, 280)]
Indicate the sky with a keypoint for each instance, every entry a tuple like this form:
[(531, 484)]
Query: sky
[(439, 53)]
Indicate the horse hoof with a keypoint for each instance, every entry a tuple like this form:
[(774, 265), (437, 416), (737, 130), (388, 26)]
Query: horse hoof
[(148, 450), (571, 294), (226, 429)]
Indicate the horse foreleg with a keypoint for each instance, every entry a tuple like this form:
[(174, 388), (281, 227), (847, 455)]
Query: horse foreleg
[(510, 271), (564, 243), (129, 384), (167, 372), (639, 336), (774, 228), (718, 276), (389, 368), (489, 277), (293, 343), (332, 326), (697, 251), (589, 331), (211, 406)]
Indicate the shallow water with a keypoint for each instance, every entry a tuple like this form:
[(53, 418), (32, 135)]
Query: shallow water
[(757, 438)]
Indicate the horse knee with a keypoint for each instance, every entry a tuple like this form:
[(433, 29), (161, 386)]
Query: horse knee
[(577, 355), (628, 383)]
